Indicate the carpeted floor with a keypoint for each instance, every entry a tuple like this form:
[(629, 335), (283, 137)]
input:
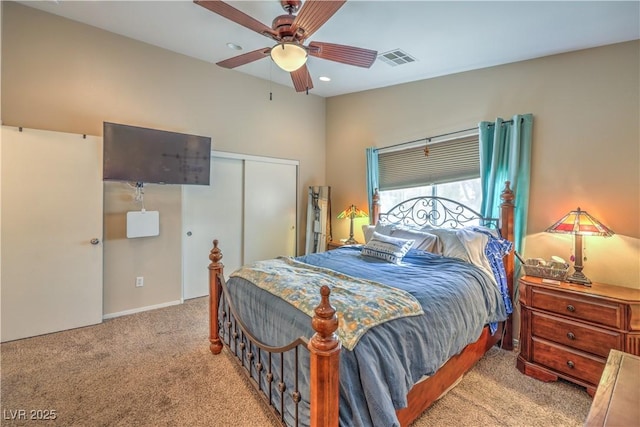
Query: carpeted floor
[(155, 369)]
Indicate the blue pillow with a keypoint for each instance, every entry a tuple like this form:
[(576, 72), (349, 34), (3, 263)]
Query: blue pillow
[(391, 249)]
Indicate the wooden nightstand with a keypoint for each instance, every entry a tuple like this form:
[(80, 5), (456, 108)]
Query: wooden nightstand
[(567, 330), (333, 244)]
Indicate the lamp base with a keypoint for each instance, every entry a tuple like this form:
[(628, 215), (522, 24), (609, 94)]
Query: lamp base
[(579, 277), (351, 241)]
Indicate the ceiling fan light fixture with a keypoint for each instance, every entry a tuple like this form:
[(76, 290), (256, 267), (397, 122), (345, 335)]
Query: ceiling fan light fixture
[(289, 56)]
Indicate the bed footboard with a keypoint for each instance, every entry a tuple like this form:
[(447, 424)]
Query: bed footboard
[(324, 348), (216, 268)]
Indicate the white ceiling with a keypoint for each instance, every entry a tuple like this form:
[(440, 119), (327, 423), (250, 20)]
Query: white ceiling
[(444, 37)]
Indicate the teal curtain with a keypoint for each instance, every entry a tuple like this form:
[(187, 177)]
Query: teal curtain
[(372, 174), (505, 155)]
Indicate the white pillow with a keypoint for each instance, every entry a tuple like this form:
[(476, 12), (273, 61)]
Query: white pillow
[(423, 240), (493, 231), (448, 242), (465, 244), (391, 249), (367, 230), (385, 229), (475, 243)]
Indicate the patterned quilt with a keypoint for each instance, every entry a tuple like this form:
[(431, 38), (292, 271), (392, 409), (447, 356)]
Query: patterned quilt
[(360, 304)]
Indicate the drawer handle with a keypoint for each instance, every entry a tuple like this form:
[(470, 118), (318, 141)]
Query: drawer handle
[(571, 308), (571, 364), (571, 336)]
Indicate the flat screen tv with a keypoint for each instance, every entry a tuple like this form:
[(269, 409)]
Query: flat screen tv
[(137, 154)]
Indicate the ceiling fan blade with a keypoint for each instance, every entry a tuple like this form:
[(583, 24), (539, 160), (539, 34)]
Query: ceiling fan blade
[(302, 79), (349, 55), (245, 58), (233, 14), (313, 14)]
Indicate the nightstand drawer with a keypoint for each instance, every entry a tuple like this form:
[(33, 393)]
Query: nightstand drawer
[(576, 335), (570, 362), (580, 307)]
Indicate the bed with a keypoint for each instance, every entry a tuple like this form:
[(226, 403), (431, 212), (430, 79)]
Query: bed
[(403, 331)]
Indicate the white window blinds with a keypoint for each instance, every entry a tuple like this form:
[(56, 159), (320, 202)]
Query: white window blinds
[(448, 161)]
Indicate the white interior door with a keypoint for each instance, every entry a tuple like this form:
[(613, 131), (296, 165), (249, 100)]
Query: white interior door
[(270, 210), (209, 212), (51, 232)]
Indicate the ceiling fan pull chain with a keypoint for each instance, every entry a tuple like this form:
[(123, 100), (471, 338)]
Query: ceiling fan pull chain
[(270, 81)]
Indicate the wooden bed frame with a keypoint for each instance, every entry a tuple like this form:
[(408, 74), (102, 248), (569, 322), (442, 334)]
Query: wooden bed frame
[(324, 347)]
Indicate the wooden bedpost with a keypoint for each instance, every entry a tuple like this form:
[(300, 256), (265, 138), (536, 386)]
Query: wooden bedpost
[(507, 231), (324, 348), (215, 288), (375, 208)]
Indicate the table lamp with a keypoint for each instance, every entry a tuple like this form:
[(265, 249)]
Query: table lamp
[(352, 212), (579, 223)]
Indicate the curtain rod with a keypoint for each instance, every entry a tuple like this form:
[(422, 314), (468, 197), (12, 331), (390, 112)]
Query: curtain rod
[(505, 121), (429, 138)]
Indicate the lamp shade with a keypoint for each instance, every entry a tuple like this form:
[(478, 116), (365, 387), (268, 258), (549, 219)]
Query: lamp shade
[(580, 222), (352, 212), (289, 56)]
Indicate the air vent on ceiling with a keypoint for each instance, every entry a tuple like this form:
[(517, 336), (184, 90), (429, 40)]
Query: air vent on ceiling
[(396, 57)]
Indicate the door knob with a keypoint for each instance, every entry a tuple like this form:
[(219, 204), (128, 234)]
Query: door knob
[(189, 233), (94, 241)]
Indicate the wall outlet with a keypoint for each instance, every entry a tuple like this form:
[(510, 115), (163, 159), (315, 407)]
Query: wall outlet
[(139, 282)]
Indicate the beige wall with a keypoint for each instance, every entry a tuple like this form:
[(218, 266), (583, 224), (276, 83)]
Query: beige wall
[(585, 150), (64, 76)]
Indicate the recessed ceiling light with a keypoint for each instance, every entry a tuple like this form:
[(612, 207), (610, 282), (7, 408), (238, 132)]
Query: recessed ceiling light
[(234, 46), (324, 78)]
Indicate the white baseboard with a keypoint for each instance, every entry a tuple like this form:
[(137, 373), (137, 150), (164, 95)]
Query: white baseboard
[(140, 309)]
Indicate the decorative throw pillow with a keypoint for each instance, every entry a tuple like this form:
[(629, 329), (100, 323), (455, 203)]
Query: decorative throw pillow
[(424, 241), (391, 249)]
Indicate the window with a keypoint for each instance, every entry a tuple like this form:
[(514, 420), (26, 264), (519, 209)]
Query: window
[(467, 192), (451, 169)]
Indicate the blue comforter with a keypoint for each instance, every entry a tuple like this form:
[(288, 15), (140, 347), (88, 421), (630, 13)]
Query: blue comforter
[(458, 300)]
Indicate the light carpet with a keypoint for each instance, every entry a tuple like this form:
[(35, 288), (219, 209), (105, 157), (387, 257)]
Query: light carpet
[(155, 369)]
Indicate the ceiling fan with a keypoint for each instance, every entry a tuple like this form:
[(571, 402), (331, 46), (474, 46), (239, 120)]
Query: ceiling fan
[(290, 31)]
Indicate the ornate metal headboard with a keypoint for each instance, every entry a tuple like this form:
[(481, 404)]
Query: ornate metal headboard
[(437, 212)]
